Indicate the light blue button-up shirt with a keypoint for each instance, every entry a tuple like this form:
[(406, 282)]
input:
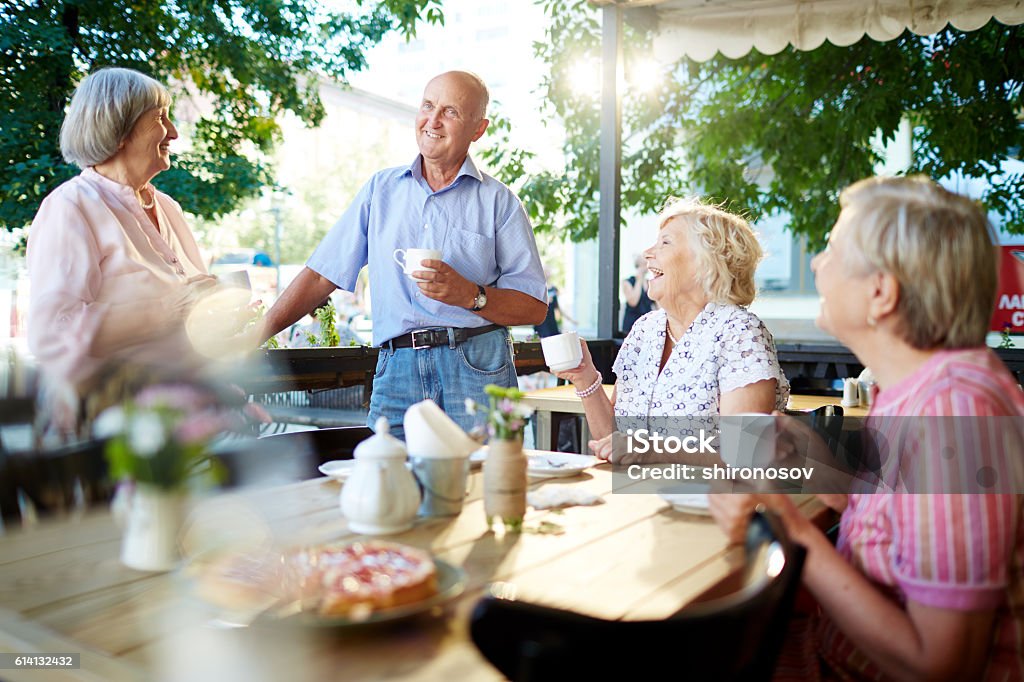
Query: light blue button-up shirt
[(477, 223)]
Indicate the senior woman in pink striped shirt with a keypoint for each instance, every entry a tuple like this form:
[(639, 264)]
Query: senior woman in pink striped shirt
[(113, 265), (925, 586)]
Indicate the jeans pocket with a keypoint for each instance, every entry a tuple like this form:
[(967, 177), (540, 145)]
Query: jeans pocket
[(382, 362), (486, 354)]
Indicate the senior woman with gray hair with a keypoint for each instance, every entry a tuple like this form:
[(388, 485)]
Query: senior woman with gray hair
[(703, 353), (925, 581), (113, 265)]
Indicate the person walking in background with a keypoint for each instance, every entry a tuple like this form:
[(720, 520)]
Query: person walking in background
[(442, 329), (552, 323), (634, 292)]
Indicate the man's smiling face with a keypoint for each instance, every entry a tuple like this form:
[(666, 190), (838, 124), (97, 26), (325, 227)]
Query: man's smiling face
[(449, 119)]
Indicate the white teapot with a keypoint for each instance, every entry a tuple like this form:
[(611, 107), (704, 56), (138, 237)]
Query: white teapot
[(381, 496)]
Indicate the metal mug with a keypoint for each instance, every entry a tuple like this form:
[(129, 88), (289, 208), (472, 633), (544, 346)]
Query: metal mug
[(444, 483)]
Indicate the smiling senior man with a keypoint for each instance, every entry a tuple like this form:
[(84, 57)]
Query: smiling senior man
[(443, 337)]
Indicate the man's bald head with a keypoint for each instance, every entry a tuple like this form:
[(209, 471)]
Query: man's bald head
[(474, 86)]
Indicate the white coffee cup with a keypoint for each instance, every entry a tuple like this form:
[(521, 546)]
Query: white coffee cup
[(562, 351), (747, 439), (238, 279), (412, 259)]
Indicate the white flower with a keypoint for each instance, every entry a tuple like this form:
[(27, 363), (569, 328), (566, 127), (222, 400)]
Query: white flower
[(109, 423), (146, 435), (470, 406), (523, 411)]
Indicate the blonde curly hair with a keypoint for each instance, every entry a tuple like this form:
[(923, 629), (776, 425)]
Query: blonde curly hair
[(725, 248)]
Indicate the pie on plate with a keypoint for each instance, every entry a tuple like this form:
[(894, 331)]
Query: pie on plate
[(349, 581)]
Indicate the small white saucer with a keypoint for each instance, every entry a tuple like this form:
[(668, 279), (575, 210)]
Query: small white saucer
[(338, 469)]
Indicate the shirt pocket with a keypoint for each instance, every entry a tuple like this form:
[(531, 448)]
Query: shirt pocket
[(472, 254)]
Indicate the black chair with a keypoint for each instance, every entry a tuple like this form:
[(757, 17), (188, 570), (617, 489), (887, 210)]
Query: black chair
[(327, 444), (57, 480), (288, 456), (827, 420), (735, 637)]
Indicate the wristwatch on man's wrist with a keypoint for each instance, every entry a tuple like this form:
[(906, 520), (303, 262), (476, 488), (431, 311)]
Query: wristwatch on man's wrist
[(481, 299)]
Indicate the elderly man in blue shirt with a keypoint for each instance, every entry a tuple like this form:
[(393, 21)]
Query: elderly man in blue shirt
[(445, 336)]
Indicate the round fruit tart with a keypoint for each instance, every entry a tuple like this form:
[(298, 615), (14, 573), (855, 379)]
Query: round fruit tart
[(351, 580)]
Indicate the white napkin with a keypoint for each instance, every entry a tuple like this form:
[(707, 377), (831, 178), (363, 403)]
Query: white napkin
[(553, 496), (429, 432)]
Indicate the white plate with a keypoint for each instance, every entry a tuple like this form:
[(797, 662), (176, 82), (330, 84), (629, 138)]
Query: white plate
[(543, 464), (690, 503), (557, 464), (338, 469)]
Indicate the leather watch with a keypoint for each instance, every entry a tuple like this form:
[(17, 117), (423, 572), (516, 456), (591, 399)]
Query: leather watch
[(481, 299)]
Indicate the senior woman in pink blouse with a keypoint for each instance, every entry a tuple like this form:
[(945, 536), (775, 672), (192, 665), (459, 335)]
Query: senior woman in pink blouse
[(113, 266), (919, 586)]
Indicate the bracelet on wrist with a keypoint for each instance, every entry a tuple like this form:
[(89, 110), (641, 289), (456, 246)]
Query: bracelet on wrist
[(590, 390)]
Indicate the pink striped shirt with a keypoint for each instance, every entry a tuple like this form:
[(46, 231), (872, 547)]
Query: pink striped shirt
[(953, 551)]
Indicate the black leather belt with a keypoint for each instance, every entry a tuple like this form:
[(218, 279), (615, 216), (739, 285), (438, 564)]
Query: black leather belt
[(437, 336)]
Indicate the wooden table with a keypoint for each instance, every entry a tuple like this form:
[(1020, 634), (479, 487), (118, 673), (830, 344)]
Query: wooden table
[(62, 588), (563, 400)]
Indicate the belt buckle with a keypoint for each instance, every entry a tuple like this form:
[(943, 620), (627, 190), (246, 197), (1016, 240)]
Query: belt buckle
[(413, 336)]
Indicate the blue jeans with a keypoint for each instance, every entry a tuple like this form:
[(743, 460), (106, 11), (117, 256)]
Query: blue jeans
[(443, 374)]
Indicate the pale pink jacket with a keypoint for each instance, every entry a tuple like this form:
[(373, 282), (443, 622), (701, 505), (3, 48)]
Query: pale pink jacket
[(95, 257)]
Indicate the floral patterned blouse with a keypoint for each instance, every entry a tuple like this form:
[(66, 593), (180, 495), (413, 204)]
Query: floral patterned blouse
[(725, 348)]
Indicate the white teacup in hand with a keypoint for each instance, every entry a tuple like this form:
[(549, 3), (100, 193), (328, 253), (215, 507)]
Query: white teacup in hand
[(562, 351), (411, 260)]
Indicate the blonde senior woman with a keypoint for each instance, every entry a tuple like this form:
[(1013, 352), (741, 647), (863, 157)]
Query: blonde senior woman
[(113, 265), (918, 586), (702, 353)]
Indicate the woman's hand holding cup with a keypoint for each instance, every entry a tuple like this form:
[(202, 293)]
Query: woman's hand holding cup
[(583, 375)]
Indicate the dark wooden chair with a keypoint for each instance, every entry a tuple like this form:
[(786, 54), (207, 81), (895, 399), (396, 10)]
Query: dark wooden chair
[(735, 637)]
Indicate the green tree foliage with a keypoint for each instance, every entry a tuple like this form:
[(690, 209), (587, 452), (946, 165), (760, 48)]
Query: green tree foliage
[(786, 132), (243, 62)]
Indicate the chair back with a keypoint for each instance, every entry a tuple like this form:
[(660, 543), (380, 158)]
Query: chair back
[(57, 480), (326, 444), (827, 420), (736, 637), (288, 456)]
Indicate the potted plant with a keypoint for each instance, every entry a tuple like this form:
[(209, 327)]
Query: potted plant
[(505, 466)]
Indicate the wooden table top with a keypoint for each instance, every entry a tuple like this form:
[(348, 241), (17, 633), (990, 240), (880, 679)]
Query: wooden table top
[(62, 588), (563, 399)]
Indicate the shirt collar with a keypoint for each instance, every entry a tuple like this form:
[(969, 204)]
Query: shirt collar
[(89, 173), (468, 168)]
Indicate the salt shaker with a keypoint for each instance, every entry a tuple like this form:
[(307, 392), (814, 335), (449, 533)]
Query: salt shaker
[(851, 393), (866, 381)]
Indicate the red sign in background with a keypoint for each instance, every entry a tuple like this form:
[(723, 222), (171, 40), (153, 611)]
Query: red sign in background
[(1010, 299)]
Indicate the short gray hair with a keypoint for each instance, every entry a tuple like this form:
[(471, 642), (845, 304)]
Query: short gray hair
[(104, 109), (939, 246)]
